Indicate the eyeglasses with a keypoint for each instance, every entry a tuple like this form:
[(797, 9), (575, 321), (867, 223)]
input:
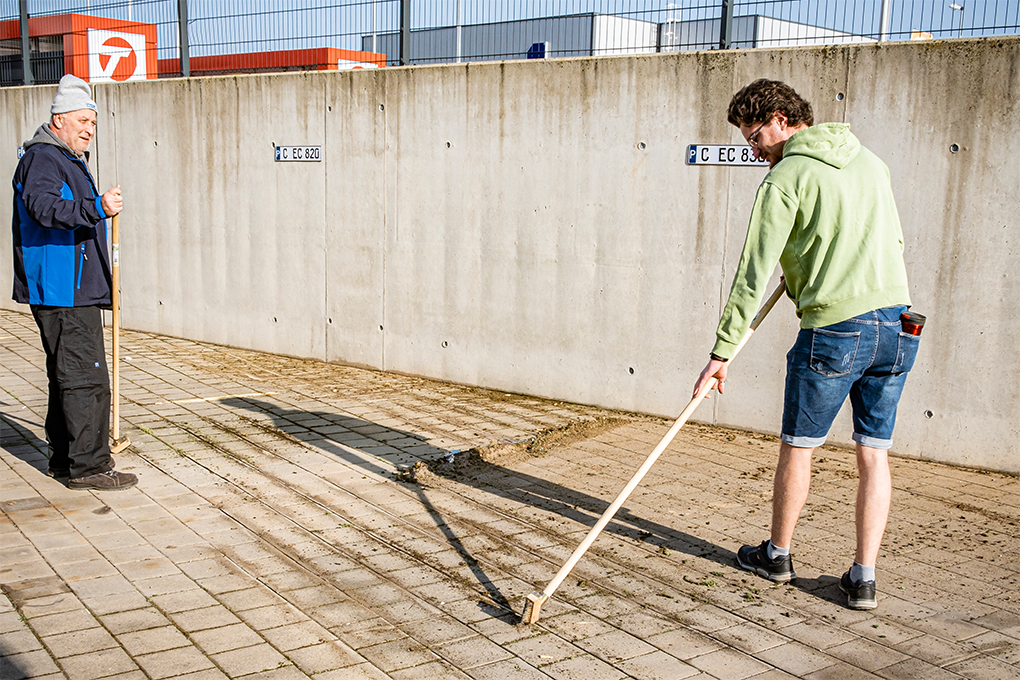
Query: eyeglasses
[(752, 138)]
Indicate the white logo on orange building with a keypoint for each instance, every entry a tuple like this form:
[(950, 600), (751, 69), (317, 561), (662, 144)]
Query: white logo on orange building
[(116, 56)]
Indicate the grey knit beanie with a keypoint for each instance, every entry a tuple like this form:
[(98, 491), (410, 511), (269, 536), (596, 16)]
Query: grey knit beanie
[(72, 94)]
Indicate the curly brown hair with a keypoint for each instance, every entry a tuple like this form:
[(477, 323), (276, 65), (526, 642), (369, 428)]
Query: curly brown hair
[(755, 104)]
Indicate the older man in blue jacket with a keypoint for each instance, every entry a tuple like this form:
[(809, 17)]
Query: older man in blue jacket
[(62, 270)]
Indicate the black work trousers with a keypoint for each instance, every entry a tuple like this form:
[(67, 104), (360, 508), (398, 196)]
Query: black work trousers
[(78, 419)]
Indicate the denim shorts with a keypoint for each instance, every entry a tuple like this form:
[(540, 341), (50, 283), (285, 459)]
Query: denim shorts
[(866, 358)]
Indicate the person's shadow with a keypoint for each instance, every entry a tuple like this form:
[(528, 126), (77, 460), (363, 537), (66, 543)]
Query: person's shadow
[(337, 434), (14, 437)]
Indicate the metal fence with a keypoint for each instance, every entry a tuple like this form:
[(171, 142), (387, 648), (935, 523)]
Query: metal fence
[(197, 37)]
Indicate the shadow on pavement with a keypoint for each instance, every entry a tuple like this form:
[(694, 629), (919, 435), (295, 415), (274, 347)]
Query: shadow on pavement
[(14, 435), (495, 479), (824, 587)]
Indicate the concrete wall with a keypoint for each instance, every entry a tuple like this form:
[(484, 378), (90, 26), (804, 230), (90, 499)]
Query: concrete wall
[(532, 227)]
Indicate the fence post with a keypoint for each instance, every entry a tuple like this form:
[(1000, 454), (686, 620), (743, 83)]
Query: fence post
[(405, 32), (182, 29), (26, 46), (883, 31), (726, 24)]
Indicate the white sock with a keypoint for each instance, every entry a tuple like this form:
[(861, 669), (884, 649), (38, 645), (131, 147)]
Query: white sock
[(859, 573), (772, 551)]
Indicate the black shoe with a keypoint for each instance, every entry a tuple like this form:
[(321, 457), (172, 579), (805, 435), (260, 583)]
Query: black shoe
[(755, 559), (62, 473), (860, 595), (105, 481)]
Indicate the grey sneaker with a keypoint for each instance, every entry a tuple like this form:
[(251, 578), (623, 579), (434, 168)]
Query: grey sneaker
[(105, 481), (755, 559), (859, 595)]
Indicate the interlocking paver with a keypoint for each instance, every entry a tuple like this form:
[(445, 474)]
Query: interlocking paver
[(866, 654), (796, 658), (247, 660), (78, 642), (363, 671), (187, 599), (250, 598), (915, 669), (615, 646), (20, 642), (173, 663), (684, 644), (324, 657), (542, 650), (98, 664), (657, 666), (437, 670), (65, 622), (513, 669), (583, 668), (984, 668), (134, 620), (152, 640), (32, 664), (203, 619), (403, 653), (729, 664), (472, 652)]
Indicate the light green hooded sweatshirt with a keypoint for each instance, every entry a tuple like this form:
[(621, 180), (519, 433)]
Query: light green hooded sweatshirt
[(826, 213)]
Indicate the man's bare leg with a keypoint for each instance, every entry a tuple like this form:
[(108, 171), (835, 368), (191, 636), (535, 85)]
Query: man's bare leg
[(874, 496), (789, 492)]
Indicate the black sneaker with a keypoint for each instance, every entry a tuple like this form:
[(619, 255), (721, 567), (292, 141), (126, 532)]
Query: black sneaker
[(58, 473), (105, 481), (860, 595), (755, 559)]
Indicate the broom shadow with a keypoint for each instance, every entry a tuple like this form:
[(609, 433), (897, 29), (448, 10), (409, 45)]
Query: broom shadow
[(493, 478), (384, 436)]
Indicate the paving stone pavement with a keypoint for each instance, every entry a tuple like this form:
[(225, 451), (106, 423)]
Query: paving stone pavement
[(279, 531)]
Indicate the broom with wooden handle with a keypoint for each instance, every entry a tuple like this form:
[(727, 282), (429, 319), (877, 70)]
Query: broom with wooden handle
[(119, 443), (534, 601)]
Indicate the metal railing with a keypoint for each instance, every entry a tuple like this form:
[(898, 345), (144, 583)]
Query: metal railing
[(194, 37)]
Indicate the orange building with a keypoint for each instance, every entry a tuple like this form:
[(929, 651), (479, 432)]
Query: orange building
[(95, 49), (98, 49), (314, 59)]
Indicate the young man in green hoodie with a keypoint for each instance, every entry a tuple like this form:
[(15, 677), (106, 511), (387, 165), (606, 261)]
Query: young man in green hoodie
[(825, 212)]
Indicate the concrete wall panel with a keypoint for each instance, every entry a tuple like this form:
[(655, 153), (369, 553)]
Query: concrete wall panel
[(532, 227), (358, 201), (218, 240), (959, 214)]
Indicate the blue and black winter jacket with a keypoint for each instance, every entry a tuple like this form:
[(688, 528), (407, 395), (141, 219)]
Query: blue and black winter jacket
[(60, 252)]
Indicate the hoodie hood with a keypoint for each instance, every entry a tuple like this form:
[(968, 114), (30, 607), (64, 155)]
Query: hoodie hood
[(44, 135), (830, 143)]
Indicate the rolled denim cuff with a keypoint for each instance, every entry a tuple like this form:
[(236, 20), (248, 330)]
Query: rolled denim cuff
[(803, 442), (873, 442)]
